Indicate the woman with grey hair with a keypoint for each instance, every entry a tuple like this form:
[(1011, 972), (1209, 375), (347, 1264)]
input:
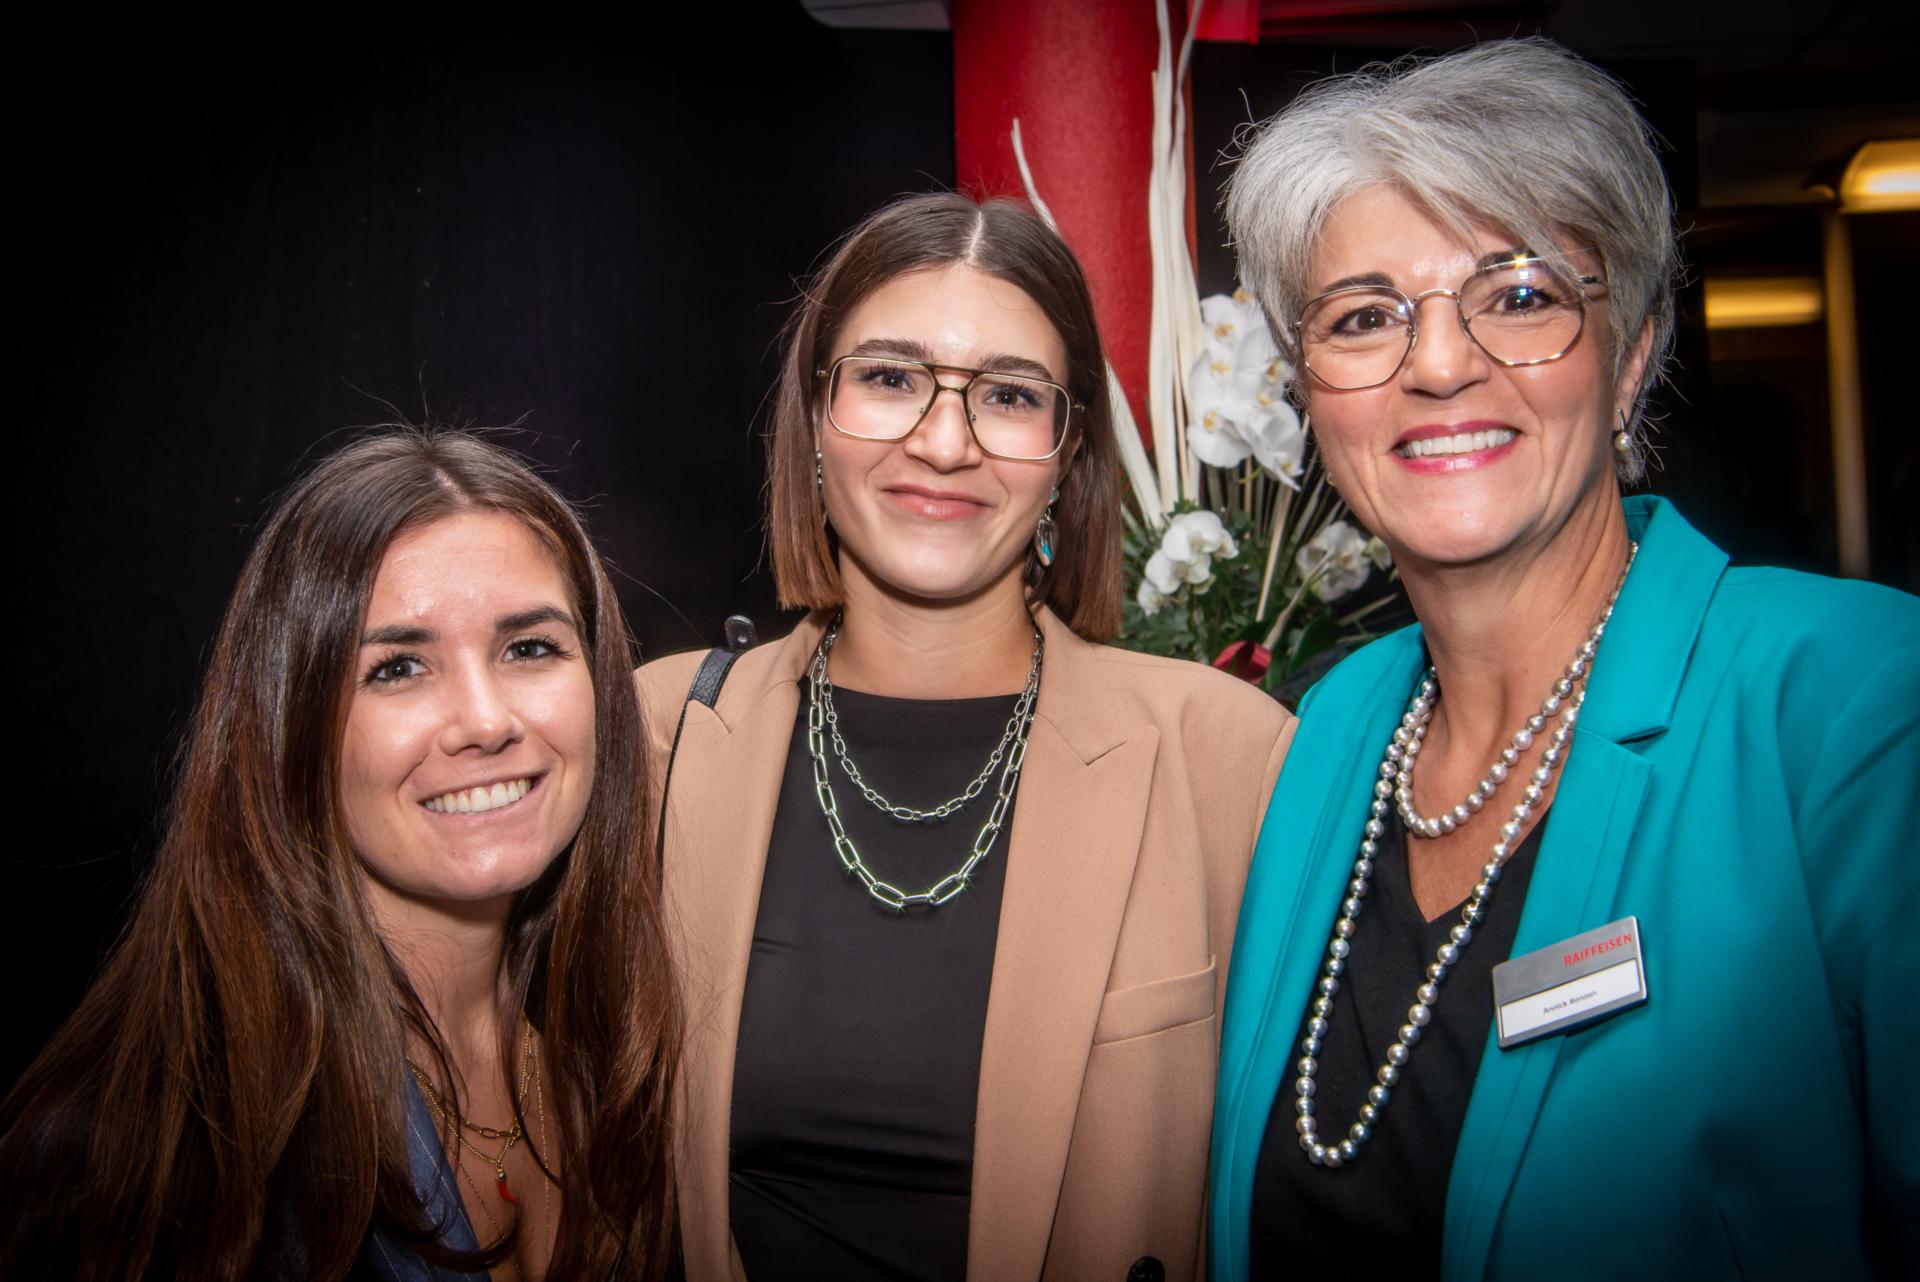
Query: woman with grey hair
[(1639, 993)]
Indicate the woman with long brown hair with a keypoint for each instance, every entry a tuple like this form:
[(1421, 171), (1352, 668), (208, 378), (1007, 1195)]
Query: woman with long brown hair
[(394, 999)]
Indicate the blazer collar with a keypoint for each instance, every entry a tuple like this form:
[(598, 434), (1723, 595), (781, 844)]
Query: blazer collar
[(1070, 857), (1074, 697), (1306, 848), (1636, 678), (1643, 660), (1631, 696)]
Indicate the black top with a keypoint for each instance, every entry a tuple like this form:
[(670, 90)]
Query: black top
[(859, 1052), (1382, 1215)]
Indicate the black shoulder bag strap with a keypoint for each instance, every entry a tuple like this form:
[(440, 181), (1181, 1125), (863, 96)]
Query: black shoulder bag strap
[(707, 680)]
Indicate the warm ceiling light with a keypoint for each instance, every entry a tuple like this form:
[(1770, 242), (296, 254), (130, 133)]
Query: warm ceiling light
[(1882, 175), (1754, 302)]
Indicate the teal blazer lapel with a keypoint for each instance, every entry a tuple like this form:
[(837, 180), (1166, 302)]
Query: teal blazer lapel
[(1574, 881), (1324, 787), (1630, 700)]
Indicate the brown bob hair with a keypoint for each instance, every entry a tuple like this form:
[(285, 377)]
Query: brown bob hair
[(1003, 239), (228, 1100)]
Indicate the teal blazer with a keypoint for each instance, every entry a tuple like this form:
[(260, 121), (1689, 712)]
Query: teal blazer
[(1745, 778)]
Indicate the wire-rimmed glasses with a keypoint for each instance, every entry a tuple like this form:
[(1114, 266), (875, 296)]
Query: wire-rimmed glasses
[(1520, 311), (1011, 416)]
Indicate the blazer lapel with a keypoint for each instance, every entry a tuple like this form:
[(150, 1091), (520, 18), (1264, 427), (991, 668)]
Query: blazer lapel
[(1636, 681), (1327, 783), (726, 786), (1075, 838), (1573, 887)]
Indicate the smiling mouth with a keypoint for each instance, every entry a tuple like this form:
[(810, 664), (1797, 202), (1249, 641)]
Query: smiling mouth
[(473, 801), (925, 503), (1458, 443)]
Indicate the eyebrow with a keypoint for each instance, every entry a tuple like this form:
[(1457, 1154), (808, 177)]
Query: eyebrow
[(398, 634), (534, 618), (520, 620), (1381, 278), (909, 349)]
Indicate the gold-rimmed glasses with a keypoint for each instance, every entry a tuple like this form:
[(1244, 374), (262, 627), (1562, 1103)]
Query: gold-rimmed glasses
[(1011, 416), (1519, 311)]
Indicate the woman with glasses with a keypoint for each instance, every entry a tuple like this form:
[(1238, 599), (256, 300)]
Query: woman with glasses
[(955, 883), (1590, 945)]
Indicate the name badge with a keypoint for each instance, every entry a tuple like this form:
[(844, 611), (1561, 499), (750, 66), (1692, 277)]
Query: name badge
[(1570, 984)]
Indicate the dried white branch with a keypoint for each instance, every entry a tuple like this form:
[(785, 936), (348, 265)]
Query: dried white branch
[(1147, 493)]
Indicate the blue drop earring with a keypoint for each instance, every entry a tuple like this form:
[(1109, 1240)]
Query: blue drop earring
[(1043, 532)]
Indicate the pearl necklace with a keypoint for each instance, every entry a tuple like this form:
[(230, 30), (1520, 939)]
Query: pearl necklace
[(1412, 734), (1565, 702)]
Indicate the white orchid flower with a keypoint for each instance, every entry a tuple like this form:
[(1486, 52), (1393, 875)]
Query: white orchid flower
[(1168, 576), (1338, 554), (1160, 573), (1217, 405), (1201, 534), (1378, 554), (1280, 444), (1238, 327), (1152, 600), (1196, 570), (1238, 381), (1228, 317)]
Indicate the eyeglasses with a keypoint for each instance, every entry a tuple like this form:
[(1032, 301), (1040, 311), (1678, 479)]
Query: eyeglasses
[(1011, 416), (1520, 312)]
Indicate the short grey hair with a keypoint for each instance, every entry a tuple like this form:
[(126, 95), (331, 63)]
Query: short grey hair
[(1521, 135)]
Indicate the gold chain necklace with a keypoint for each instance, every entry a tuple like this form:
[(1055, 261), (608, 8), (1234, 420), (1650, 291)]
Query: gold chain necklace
[(498, 1161), (546, 1185)]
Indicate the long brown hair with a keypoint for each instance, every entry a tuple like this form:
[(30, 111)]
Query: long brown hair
[(1003, 239), (228, 1100)]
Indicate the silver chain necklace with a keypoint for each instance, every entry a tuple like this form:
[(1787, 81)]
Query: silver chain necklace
[(907, 814), (1565, 701), (1012, 750)]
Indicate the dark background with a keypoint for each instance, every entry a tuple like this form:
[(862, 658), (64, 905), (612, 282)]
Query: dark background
[(235, 245), (233, 255)]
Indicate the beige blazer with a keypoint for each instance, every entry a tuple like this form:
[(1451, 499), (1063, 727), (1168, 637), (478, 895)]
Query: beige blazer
[(1140, 800)]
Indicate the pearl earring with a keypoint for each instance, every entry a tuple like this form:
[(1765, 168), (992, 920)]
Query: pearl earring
[(1623, 439)]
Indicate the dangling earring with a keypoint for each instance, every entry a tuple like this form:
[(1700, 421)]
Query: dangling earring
[(1623, 439), (820, 484), (1043, 532)]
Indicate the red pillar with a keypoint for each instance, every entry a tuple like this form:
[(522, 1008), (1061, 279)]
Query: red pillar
[(1078, 75)]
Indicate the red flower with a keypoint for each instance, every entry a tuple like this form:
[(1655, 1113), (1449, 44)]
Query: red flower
[(1248, 660)]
